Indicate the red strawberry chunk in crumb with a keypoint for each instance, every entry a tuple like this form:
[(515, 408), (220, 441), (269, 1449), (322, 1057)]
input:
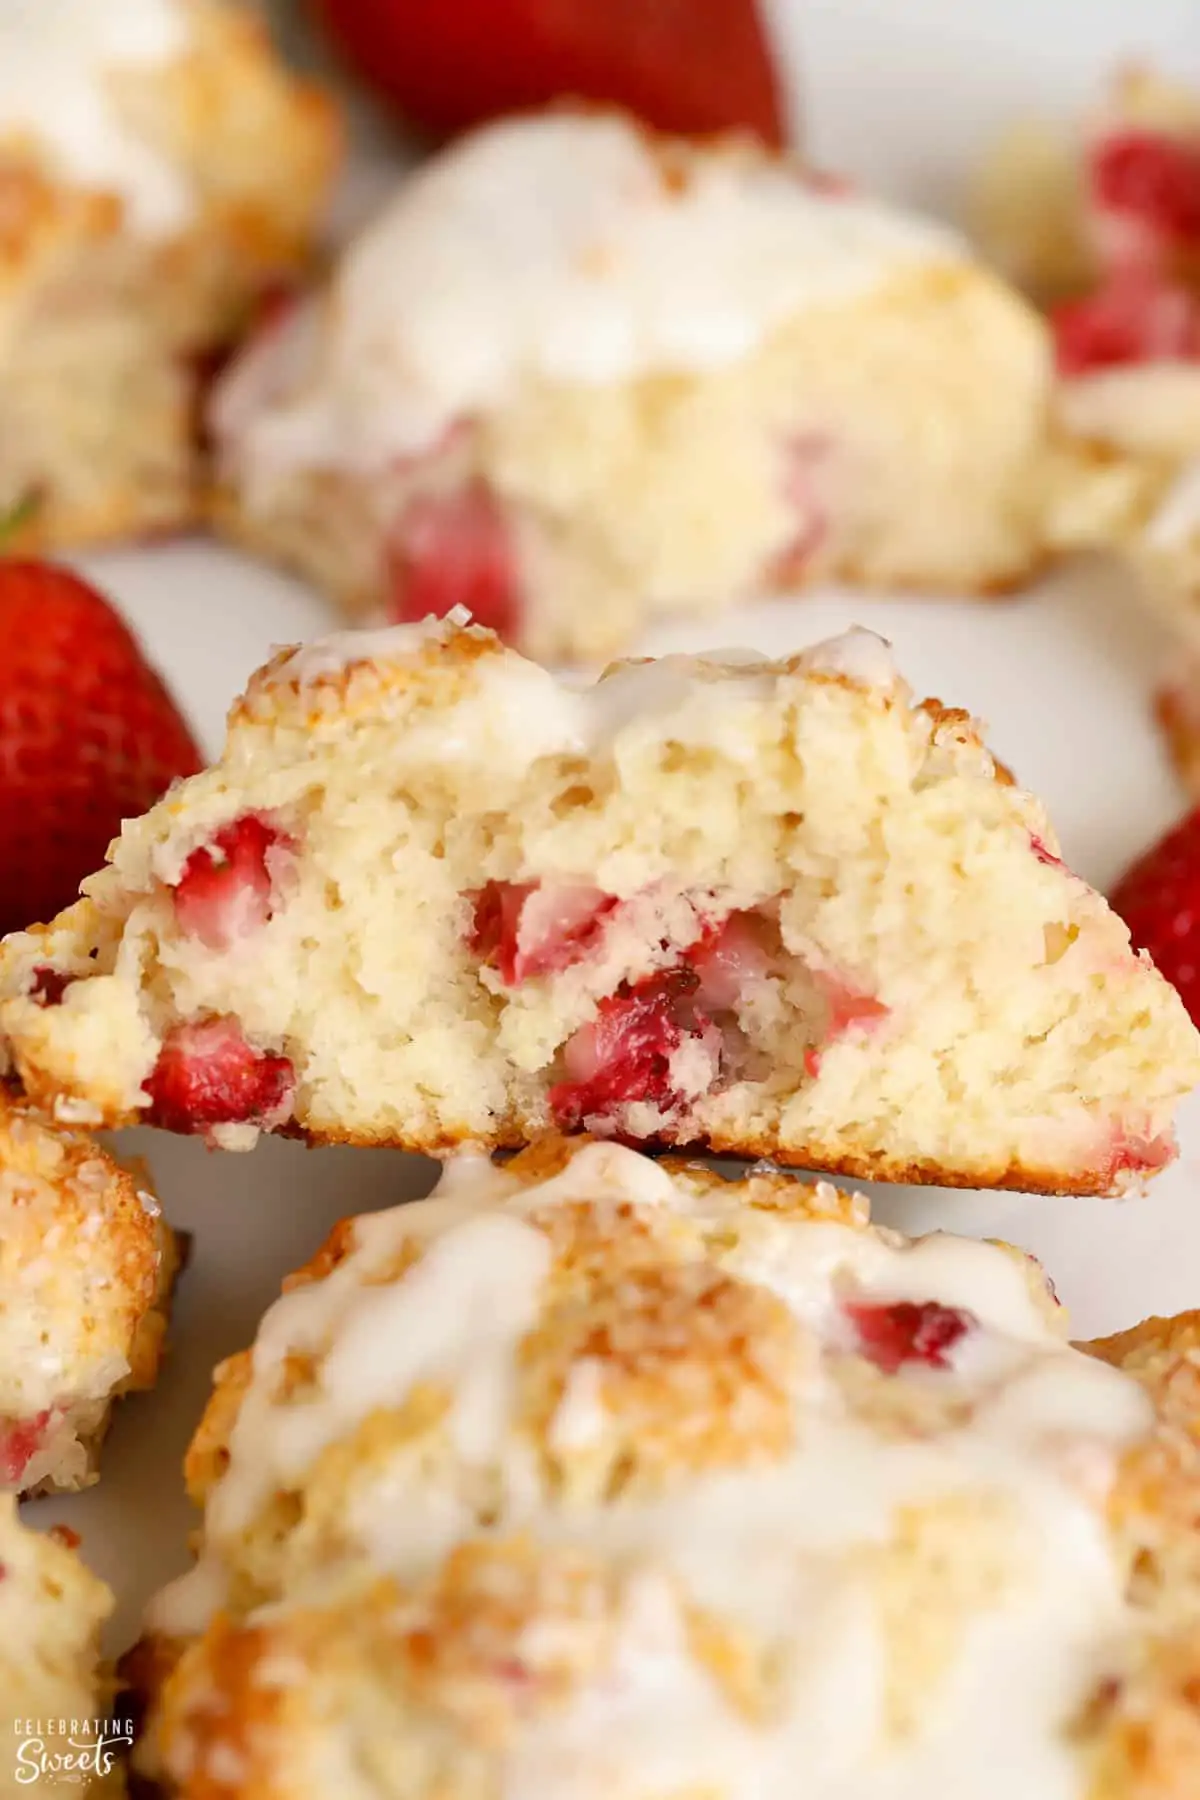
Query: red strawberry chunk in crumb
[(849, 1008), (908, 1331), (1152, 178), (1131, 1154), (1134, 318), (20, 1441), (537, 928), (207, 1074), (1043, 854), (455, 549), (625, 1055), (227, 887), (49, 985)]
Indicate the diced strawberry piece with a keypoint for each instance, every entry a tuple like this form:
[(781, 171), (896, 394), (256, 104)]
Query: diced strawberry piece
[(1150, 177), (20, 1440), (812, 1063), (537, 928), (849, 1008), (227, 888), (729, 958), (1133, 318), (49, 985), (1131, 1154), (625, 1055), (207, 1074), (455, 549), (495, 918), (907, 1331), (1043, 854)]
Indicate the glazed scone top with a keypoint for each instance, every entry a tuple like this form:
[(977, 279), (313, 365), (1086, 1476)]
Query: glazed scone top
[(918, 1552), (58, 61), (570, 247), (502, 712)]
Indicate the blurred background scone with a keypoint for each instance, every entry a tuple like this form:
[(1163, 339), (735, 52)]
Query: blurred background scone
[(87, 1263), (577, 374), (599, 1477), (160, 173), (1101, 222), (51, 1611)]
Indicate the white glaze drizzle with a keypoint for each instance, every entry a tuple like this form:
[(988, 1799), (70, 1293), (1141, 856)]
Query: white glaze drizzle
[(783, 1548), (58, 60), (562, 248), (511, 711)]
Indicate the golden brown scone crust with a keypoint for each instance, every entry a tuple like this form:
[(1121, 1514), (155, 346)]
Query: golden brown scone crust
[(87, 1265)]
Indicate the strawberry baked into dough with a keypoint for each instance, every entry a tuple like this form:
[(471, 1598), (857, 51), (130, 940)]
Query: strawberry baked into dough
[(596, 1478), (431, 894), (161, 173), (87, 1264), (530, 377)]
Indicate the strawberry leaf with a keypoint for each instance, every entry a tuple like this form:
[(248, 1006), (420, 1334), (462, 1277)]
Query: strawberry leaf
[(17, 518)]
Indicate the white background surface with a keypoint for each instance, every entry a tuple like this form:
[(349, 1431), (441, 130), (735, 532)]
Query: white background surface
[(901, 93)]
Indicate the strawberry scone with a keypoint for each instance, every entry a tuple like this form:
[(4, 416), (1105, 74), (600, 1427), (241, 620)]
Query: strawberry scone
[(577, 375), (599, 1477), (1064, 208), (1104, 227), (87, 1263), (432, 894), (51, 1611), (160, 175)]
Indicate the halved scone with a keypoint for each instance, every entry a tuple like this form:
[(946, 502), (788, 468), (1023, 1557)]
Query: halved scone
[(431, 894)]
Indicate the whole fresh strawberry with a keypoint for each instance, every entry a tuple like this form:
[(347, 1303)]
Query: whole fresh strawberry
[(1159, 900), (682, 65), (88, 736)]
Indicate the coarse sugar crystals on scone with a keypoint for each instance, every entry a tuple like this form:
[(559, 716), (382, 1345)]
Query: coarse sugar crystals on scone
[(86, 1268), (602, 1477), (161, 173), (529, 376), (433, 894), (51, 1610)]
